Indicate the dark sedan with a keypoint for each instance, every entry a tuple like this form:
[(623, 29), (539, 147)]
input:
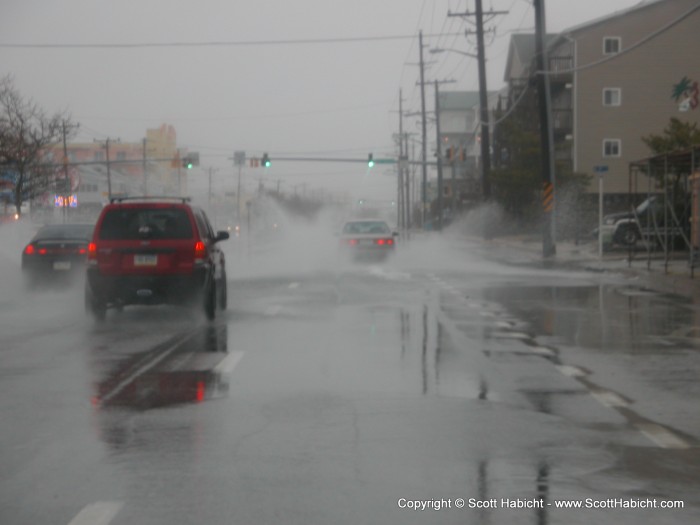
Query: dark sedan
[(56, 253)]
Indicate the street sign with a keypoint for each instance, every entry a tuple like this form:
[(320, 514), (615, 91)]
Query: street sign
[(600, 169), (239, 158)]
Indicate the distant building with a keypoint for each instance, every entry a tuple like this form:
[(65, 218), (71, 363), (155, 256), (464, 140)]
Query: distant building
[(460, 134), (150, 167)]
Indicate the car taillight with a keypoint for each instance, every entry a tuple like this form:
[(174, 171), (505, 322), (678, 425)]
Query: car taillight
[(82, 251), (380, 242), (42, 251), (352, 242), (29, 250), (200, 251), (390, 241)]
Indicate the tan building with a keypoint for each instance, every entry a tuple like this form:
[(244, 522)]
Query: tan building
[(158, 154), (615, 80)]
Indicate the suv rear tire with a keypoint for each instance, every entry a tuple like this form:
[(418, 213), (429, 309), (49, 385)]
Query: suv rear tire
[(96, 308), (210, 301), (223, 293)]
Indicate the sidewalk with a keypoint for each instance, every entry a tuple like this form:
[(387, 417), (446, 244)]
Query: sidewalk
[(674, 279)]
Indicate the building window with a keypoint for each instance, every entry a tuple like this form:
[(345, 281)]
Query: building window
[(99, 155), (612, 148), (612, 45), (121, 155), (612, 96)]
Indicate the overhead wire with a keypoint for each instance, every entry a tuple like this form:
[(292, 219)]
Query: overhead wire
[(144, 45)]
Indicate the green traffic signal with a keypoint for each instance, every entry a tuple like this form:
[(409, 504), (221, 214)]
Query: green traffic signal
[(370, 160), (266, 160)]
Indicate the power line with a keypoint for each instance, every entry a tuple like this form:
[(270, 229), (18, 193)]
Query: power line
[(142, 45), (241, 117)]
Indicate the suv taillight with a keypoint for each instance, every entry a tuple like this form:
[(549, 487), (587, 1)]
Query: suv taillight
[(92, 253), (200, 252)]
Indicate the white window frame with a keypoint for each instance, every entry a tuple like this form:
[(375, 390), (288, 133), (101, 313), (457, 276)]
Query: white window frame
[(618, 142), (613, 90), (617, 39)]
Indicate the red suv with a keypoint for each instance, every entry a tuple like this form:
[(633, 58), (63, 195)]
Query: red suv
[(154, 251)]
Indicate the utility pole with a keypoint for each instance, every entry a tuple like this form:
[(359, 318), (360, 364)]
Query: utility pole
[(437, 150), (399, 203), (239, 159), (423, 132), (483, 95), (64, 132), (404, 184), (145, 173), (438, 155), (109, 173), (546, 138)]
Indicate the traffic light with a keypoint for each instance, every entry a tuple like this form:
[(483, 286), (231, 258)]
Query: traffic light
[(266, 160), (187, 163), (370, 160)]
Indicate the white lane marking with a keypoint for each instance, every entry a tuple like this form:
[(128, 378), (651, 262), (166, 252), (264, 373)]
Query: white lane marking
[(99, 513), (145, 368), (513, 335), (541, 350), (273, 310), (609, 399), (293, 286), (571, 371), (662, 436), (227, 365)]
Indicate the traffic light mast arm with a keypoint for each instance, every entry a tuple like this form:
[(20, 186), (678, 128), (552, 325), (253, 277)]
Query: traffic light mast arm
[(327, 159)]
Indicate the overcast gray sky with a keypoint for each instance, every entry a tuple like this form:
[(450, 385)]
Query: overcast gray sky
[(317, 99)]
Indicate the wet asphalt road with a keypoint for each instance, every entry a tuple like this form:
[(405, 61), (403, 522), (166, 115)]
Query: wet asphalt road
[(351, 395)]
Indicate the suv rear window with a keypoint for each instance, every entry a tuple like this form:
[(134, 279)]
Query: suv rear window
[(146, 223)]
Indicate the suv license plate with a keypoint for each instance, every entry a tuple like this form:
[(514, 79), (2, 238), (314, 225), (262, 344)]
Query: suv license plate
[(61, 265), (145, 260)]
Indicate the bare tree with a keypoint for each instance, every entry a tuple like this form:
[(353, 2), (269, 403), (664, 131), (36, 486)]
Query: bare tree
[(26, 133)]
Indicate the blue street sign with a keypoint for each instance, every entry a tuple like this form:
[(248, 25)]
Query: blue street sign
[(600, 169)]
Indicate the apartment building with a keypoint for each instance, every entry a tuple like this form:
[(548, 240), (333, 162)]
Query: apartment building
[(613, 81)]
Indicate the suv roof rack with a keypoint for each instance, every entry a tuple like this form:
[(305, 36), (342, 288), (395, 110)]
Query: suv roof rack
[(184, 200)]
